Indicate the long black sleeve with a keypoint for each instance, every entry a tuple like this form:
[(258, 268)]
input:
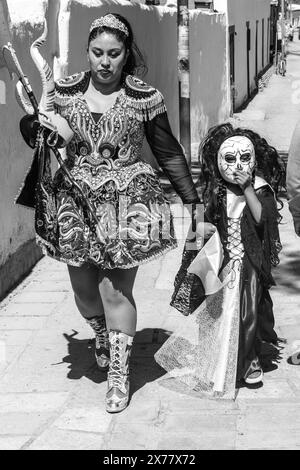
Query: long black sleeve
[(29, 127), (170, 157)]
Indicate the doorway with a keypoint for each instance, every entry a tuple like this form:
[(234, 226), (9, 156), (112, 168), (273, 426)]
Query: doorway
[(248, 45)]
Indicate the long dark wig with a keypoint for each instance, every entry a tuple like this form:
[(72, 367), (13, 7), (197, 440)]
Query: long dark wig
[(135, 63), (269, 166)]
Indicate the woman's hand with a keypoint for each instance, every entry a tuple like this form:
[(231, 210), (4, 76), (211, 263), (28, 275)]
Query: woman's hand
[(243, 179), (60, 132), (204, 230), (46, 121)]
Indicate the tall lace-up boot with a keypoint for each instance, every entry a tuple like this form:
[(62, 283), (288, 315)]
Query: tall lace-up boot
[(102, 343), (117, 395)]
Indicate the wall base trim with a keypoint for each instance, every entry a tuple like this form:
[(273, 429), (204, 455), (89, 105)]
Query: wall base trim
[(18, 265)]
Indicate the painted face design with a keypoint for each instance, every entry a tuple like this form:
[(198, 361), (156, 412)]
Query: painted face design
[(236, 153)]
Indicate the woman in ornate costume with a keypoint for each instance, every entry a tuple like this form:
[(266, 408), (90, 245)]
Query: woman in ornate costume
[(127, 219), (227, 283)]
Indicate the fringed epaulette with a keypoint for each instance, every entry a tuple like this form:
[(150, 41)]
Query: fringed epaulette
[(68, 87), (144, 101)]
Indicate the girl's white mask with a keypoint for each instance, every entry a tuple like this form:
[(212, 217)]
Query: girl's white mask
[(236, 153)]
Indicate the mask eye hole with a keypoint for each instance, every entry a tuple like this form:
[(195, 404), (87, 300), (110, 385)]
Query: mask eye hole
[(230, 159), (246, 157)]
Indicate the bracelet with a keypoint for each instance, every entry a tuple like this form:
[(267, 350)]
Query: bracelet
[(52, 139)]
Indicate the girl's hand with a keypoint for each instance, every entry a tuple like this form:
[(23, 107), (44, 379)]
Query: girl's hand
[(204, 230), (242, 179), (207, 229), (195, 240)]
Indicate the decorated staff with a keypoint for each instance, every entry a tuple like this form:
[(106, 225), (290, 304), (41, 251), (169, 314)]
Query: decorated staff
[(45, 110)]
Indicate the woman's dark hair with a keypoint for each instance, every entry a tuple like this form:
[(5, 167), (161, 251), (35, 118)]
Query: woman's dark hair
[(269, 165), (135, 63)]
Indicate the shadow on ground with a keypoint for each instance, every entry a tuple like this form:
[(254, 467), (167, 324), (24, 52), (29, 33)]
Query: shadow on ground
[(81, 359), (287, 274), (143, 367)]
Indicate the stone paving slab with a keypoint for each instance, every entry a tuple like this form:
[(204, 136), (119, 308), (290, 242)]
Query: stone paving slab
[(21, 323), (31, 402), (47, 368), (11, 354), (93, 420), (23, 423), (15, 337), (197, 441), (57, 439), (266, 440), (132, 437), (279, 388), (145, 413), (39, 297), (37, 285), (199, 422), (13, 442), (27, 310)]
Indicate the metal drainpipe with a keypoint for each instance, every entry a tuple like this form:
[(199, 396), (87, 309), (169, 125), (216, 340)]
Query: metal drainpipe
[(184, 77)]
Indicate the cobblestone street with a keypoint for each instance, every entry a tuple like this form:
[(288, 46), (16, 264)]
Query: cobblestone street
[(52, 395)]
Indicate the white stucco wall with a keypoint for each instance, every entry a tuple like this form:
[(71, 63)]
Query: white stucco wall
[(155, 34), (21, 22), (16, 222), (210, 101), (155, 30), (238, 12)]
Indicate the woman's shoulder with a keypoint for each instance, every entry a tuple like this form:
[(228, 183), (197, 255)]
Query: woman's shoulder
[(72, 84), (67, 88), (135, 85), (143, 99)]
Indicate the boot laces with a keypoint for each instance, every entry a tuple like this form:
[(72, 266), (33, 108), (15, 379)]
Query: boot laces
[(118, 369), (101, 333), (102, 340)]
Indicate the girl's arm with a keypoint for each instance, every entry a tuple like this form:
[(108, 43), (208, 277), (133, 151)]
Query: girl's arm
[(244, 181)]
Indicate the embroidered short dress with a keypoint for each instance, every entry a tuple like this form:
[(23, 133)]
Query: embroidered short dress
[(105, 158)]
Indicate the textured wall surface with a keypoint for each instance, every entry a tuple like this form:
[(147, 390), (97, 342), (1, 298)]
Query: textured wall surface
[(210, 103), (18, 251), (155, 29), (240, 11)]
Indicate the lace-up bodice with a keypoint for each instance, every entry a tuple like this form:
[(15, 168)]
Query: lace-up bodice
[(235, 207)]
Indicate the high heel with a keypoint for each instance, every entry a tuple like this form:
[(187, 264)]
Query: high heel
[(98, 324), (117, 396)]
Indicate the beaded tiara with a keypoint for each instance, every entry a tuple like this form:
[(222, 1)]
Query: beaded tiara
[(111, 22)]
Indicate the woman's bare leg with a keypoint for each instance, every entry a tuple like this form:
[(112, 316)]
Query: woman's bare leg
[(116, 287), (85, 285)]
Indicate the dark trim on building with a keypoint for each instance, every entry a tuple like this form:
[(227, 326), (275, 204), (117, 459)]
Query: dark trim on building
[(18, 265)]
